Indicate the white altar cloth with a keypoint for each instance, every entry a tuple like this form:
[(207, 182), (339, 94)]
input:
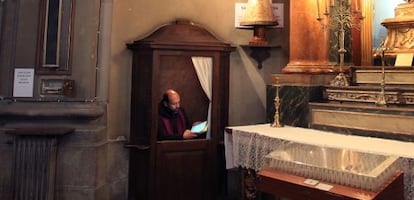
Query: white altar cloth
[(247, 146), (321, 138)]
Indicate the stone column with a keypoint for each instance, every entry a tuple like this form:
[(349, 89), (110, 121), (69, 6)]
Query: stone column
[(309, 39)]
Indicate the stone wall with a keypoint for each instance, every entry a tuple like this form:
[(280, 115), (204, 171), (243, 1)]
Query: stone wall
[(88, 165)]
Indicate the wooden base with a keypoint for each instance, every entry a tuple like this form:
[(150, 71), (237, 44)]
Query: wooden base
[(281, 184)]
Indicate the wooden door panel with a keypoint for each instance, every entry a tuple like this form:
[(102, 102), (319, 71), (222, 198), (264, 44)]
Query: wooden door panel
[(183, 170)]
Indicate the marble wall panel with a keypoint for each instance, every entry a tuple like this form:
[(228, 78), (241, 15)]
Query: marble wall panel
[(294, 108)]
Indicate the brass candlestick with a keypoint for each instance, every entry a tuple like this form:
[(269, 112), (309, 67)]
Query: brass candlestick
[(276, 121), (341, 18), (381, 101), (341, 79)]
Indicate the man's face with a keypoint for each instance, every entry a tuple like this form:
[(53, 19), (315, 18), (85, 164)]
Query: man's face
[(174, 102)]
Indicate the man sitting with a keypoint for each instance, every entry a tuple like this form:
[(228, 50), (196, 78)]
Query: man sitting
[(173, 122)]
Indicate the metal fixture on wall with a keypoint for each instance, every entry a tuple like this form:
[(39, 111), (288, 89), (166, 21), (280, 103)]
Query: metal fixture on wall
[(57, 87)]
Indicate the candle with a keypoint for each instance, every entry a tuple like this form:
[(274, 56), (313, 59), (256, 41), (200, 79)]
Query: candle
[(363, 8), (356, 5), (317, 5)]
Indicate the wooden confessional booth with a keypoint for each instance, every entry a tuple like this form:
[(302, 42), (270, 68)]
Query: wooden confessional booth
[(177, 169)]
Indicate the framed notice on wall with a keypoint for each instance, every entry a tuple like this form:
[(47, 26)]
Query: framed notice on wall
[(23, 82), (241, 8)]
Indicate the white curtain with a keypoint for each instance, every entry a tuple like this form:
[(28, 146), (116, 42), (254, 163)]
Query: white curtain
[(204, 69)]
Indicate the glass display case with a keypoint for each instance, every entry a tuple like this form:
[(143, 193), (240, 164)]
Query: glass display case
[(347, 167)]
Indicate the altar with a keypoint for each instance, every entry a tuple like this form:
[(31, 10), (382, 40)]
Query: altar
[(248, 146)]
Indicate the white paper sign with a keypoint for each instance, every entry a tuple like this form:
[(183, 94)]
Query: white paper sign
[(241, 8), (324, 186), (404, 60), (23, 82)]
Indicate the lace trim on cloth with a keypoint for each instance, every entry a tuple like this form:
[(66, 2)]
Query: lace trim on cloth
[(408, 168), (250, 149)]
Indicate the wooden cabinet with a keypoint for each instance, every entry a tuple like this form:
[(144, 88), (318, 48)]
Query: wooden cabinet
[(184, 169)]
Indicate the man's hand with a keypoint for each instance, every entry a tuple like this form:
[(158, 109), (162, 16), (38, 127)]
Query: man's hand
[(189, 135)]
